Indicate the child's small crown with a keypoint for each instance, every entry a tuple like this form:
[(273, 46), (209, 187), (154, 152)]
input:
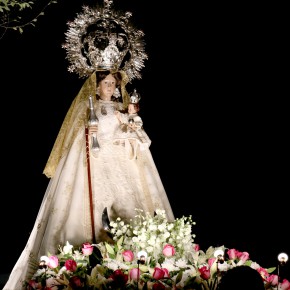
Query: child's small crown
[(135, 97)]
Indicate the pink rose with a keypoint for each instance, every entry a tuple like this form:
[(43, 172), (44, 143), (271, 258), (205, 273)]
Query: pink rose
[(158, 273), (75, 282), (233, 254), (273, 279), (168, 250), (196, 247), (263, 272), (204, 272), (166, 273), (285, 285), (243, 256), (70, 265), (211, 261), (119, 279), (134, 274), (87, 249), (52, 262), (128, 256)]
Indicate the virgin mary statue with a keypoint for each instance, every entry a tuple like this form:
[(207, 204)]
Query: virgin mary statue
[(90, 168)]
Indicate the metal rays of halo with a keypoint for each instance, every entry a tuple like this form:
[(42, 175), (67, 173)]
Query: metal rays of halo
[(77, 31)]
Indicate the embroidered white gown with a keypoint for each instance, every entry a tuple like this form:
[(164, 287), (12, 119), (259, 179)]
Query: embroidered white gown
[(119, 182)]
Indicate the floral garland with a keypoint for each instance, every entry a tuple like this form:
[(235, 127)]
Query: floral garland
[(147, 253)]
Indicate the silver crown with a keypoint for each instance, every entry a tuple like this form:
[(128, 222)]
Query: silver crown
[(135, 97), (103, 39)]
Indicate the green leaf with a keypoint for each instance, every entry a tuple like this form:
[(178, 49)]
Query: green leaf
[(144, 268), (179, 277), (120, 242), (271, 270), (110, 249)]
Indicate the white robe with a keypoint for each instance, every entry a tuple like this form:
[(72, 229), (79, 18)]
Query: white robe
[(119, 183)]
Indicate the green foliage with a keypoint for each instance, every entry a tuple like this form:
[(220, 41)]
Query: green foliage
[(14, 14)]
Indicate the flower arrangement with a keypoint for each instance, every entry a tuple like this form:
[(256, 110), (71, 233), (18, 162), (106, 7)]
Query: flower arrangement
[(147, 253)]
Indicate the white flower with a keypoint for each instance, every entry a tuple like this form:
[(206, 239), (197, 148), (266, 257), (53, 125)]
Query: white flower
[(255, 265), (152, 228), (149, 249), (114, 264), (181, 263), (185, 276), (119, 233), (67, 249), (224, 267), (169, 264)]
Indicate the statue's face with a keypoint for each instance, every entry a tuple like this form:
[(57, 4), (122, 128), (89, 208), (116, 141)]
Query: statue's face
[(107, 87)]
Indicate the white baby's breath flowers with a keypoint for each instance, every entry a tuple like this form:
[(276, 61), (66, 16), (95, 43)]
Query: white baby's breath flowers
[(149, 249), (152, 233), (119, 233)]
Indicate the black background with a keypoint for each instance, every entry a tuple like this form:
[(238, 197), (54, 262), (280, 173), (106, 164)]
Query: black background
[(214, 101)]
